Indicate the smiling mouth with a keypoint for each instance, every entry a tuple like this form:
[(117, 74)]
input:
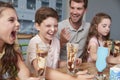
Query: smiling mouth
[(51, 34)]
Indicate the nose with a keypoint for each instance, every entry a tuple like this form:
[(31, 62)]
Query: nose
[(52, 28), (17, 25), (108, 29), (74, 11)]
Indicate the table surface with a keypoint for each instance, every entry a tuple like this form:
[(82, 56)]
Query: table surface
[(91, 69)]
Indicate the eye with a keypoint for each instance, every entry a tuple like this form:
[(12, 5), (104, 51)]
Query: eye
[(104, 25), (72, 7), (11, 19), (80, 8), (47, 25), (56, 26)]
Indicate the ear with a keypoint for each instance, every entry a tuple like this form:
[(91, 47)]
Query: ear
[(37, 26)]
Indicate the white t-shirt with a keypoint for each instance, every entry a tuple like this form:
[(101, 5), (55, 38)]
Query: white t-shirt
[(53, 53)]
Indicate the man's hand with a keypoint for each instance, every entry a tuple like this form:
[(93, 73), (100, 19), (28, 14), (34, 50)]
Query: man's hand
[(64, 36)]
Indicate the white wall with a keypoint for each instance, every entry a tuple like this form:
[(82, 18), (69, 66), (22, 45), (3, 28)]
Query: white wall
[(65, 9)]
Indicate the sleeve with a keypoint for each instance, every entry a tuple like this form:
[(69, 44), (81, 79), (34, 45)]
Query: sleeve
[(57, 54), (31, 51)]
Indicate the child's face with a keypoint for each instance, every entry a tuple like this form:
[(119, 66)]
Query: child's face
[(48, 28), (104, 27), (8, 26)]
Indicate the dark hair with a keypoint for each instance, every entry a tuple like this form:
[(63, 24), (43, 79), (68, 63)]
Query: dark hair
[(9, 60), (93, 32), (80, 1), (43, 13)]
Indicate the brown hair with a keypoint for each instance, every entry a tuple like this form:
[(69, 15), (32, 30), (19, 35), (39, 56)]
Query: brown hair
[(80, 1), (4, 5), (93, 31), (43, 13), (9, 60)]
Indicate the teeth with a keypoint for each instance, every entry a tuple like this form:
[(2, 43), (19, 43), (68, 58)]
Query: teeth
[(51, 34), (74, 15)]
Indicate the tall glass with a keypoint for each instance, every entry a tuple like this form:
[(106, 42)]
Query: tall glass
[(42, 52), (72, 50), (101, 63)]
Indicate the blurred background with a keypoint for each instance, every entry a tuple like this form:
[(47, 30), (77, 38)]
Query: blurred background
[(26, 11)]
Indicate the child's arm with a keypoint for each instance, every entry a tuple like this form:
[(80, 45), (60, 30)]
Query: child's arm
[(56, 75), (113, 60), (93, 51)]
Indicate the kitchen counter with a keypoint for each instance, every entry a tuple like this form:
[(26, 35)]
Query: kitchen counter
[(25, 36)]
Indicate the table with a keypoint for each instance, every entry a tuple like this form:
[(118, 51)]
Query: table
[(88, 66), (91, 69)]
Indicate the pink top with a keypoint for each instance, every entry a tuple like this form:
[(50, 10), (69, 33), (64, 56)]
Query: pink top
[(93, 41)]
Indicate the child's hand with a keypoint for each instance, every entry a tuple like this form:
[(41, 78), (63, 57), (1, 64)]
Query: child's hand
[(82, 75), (78, 61), (34, 78)]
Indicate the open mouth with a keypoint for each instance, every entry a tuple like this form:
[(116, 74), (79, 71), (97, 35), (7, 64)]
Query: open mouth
[(13, 35)]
